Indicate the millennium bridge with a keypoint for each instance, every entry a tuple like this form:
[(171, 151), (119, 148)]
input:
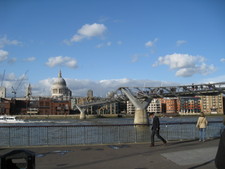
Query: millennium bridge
[(24, 135), (141, 97)]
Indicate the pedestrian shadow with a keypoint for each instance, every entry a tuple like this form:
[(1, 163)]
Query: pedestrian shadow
[(203, 164), (183, 141)]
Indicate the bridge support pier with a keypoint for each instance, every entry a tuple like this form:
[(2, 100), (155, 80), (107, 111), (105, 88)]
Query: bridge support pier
[(140, 116), (82, 113)]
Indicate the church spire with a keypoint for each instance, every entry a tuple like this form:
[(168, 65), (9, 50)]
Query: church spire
[(60, 74)]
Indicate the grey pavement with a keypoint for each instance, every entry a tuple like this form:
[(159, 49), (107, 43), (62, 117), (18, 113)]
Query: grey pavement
[(175, 155)]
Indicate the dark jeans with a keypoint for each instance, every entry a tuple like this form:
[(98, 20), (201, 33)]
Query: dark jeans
[(156, 132)]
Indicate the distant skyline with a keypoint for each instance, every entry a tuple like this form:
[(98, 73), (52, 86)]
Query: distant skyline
[(102, 45)]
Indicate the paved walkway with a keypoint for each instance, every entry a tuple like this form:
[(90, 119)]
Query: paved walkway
[(175, 155)]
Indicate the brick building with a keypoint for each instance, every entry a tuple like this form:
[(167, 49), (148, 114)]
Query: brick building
[(4, 106), (213, 104), (170, 105)]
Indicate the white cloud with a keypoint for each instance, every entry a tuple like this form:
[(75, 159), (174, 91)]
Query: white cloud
[(177, 60), (180, 42), (186, 72), (12, 60), (42, 88), (151, 43), (5, 41), (109, 43), (63, 61), (30, 59), (135, 58), (214, 79), (88, 31), (222, 60), (101, 45), (206, 69), (185, 64), (17, 82), (102, 87), (77, 38), (119, 42), (77, 86), (3, 55)]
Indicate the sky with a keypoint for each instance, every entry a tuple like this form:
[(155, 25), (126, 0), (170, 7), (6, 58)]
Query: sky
[(102, 45)]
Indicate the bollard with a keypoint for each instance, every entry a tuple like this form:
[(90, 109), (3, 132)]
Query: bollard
[(18, 159)]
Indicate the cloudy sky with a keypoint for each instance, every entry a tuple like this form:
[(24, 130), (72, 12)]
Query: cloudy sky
[(102, 45)]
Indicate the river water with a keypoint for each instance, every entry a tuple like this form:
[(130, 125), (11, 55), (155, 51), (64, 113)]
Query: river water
[(106, 121)]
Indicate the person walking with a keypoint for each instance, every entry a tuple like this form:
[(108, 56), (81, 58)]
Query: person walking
[(155, 129), (219, 159), (201, 125)]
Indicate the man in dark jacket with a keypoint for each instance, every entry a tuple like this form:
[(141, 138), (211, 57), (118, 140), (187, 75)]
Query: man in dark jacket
[(155, 129), (219, 160)]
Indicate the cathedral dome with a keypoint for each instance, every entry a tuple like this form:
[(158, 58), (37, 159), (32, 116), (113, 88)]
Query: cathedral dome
[(59, 87), (59, 82)]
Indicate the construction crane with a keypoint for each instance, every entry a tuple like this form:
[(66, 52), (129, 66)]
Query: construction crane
[(14, 90)]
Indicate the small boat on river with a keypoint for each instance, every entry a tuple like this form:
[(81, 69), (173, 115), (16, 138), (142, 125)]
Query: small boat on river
[(10, 119)]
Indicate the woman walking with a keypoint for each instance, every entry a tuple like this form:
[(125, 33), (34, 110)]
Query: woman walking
[(201, 125)]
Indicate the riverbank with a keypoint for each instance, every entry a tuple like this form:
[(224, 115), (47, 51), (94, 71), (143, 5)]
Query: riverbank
[(75, 116), (176, 155)]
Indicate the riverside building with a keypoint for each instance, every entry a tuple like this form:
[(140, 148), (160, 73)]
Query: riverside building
[(61, 102), (212, 104), (185, 105)]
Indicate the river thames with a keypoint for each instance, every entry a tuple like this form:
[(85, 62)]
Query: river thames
[(105, 121)]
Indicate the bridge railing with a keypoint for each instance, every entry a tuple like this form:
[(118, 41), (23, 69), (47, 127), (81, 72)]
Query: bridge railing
[(173, 91), (99, 134)]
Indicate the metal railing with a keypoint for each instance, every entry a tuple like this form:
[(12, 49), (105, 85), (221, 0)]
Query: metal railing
[(99, 134)]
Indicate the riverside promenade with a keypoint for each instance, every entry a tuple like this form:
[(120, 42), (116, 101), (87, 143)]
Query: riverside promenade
[(190, 154)]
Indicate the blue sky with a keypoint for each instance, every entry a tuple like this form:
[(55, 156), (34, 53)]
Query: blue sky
[(102, 45)]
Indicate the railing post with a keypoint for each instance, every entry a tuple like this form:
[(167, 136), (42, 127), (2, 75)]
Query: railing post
[(47, 136), (84, 135), (180, 132), (28, 136), (135, 128), (102, 135), (118, 129), (66, 136), (9, 136), (167, 133)]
